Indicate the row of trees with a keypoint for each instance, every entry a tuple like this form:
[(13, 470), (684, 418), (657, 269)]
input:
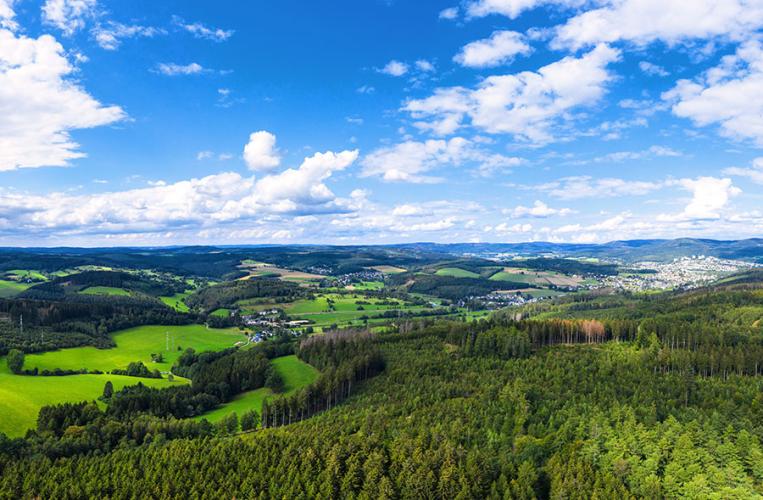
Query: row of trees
[(345, 358)]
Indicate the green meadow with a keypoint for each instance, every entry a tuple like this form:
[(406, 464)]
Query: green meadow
[(177, 301), (137, 344), (220, 313), (23, 274), (295, 373), (456, 272), (12, 288), (21, 397)]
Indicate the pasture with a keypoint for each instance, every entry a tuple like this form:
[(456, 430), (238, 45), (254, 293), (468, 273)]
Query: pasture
[(12, 288), (105, 290), (343, 310), (26, 274), (220, 313), (21, 397), (295, 374), (456, 272), (137, 344), (177, 301)]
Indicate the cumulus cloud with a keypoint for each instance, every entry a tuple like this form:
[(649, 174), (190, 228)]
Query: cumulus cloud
[(501, 48), (173, 69), (727, 95), (287, 190), (40, 104), (260, 153), (504, 228), (525, 105), (450, 13), (513, 8), (409, 219), (671, 21), (538, 210), (199, 30), (395, 68), (652, 69), (110, 35), (69, 16), (754, 173), (410, 161), (709, 196), (196, 203), (424, 66), (7, 15)]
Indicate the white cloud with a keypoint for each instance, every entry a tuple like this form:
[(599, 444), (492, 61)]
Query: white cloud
[(208, 155), (538, 210), (110, 35), (450, 13), (424, 66), (173, 69), (260, 153), (409, 161), (190, 204), (305, 184), (709, 196), (40, 104), (199, 30), (727, 95), (526, 105), (394, 68), (671, 21), (513, 8), (7, 14), (652, 69), (654, 151), (572, 188), (504, 228), (365, 89), (501, 48), (754, 173), (68, 15)]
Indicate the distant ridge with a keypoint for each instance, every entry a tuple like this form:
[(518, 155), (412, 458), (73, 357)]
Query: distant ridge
[(660, 250)]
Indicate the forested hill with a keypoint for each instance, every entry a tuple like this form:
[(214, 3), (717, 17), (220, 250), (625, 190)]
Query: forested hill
[(596, 397), (628, 250)]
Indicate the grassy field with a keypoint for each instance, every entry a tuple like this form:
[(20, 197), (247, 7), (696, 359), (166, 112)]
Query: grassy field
[(220, 313), (105, 290), (22, 397), (540, 278), (295, 374), (389, 269), (12, 288), (456, 272), (177, 301), (137, 344), (366, 285), (23, 274)]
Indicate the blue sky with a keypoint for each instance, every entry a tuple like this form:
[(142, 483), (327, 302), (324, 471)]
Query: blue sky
[(189, 122)]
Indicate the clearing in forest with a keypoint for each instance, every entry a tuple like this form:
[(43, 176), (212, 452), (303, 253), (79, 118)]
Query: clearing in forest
[(295, 374), (138, 344), (21, 397)]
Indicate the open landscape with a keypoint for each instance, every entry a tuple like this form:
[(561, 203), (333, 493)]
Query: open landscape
[(477, 249)]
